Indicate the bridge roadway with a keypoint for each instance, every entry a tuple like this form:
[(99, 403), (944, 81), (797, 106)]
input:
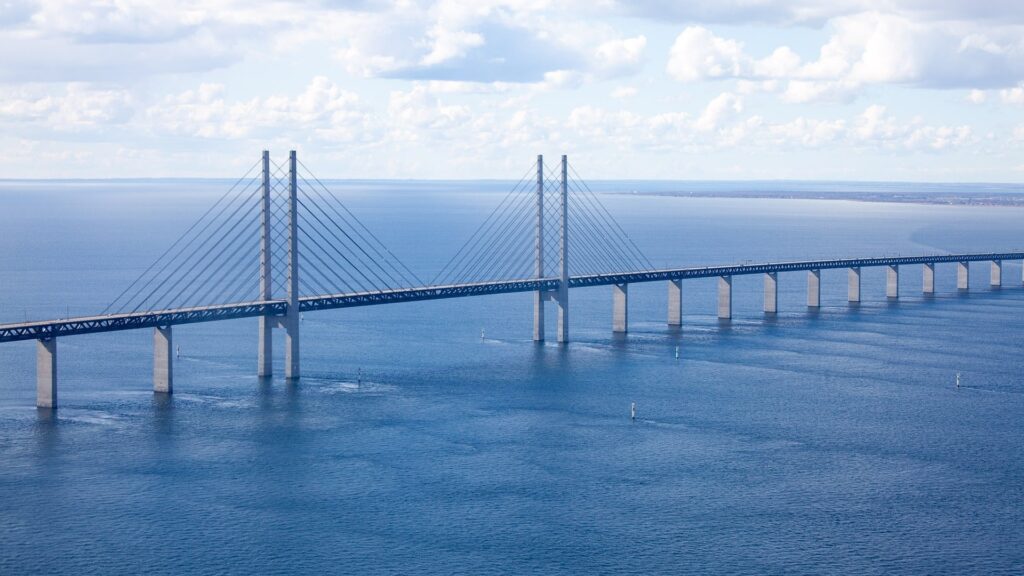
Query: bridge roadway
[(278, 308)]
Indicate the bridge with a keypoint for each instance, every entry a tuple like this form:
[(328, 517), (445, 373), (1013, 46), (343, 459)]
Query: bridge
[(279, 243)]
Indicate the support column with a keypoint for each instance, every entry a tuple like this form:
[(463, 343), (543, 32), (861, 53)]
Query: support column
[(771, 293), (853, 287), (725, 297), (813, 288), (563, 285), (265, 361), (996, 277), (163, 360), (620, 307), (675, 302), (928, 281), (291, 339), (892, 281), (963, 275), (538, 296), (46, 373)]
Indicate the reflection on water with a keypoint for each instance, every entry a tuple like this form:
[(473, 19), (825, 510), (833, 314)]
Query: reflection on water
[(811, 441)]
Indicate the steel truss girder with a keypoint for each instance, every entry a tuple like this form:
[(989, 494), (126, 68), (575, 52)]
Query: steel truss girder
[(279, 308), (115, 322)]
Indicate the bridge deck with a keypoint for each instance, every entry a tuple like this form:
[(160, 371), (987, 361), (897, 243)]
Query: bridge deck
[(111, 323)]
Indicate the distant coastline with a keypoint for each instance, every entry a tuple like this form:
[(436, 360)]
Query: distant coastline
[(935, 198)]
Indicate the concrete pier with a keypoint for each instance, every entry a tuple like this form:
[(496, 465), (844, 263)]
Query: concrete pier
[(853, 288), (563, 256), (963, 276), (675, 302), (265, 360), (725, 297), (892, 281), (771, 293), (538, 269), (813, 288), (928, 280), (620, 307), (292, 318), (46, 373), (163, 360), (538, 316), (996, 277)]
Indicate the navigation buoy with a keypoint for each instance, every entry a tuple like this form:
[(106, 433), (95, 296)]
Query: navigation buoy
[(632, 411), (359, 377), (677, 352), (481, 333), (177, 351), (957, 379)]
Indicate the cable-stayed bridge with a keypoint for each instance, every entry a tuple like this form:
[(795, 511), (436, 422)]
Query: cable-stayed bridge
[(279, 243)]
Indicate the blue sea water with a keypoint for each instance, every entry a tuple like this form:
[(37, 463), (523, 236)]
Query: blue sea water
[(815, 442)]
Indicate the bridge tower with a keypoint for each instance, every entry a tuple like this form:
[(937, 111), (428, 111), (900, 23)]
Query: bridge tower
[(290, 322), (563, 284), (539, 296)]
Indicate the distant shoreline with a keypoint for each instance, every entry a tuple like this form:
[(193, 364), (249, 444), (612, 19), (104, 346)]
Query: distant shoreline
[(930, 198)]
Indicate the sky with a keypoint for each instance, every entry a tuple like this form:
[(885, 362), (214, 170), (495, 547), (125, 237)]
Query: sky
[(904, 90)]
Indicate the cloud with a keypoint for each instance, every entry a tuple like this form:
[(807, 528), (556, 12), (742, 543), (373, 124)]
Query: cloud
[(863, 49), (623, 92), (78, 107), (323, 111)]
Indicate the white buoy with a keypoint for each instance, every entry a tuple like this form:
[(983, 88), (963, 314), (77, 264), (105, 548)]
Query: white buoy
[(177, 351), (481, 333), (677, 352), (957, 379), (632, 411)]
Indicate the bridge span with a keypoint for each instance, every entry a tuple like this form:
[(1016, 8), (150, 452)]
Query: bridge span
[(343, 253)]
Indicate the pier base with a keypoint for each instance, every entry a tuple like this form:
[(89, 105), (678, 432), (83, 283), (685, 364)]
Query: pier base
[(725, 297), (620, 307), (291, 346), (46, 373), (563, 316), (163, 360), (928, 280), (853, 288), (892, 281), (996, 277), (813, 288), (675, 302), (538, 316), (771, 293), (265, 361), (963, 276)]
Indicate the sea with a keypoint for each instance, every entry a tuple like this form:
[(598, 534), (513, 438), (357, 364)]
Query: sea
[(437, 438)]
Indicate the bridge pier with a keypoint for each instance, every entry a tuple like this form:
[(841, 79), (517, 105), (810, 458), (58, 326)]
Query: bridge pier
[(620, 307), (996, 276), (853, 285), (539, 296), (538, 316), (725, 297), (814, 288), (265, 363), (163, 360), (675, 302), (563, 250), (771, 293), (46, 373), (928, 280), (892, 281), (963, 276)]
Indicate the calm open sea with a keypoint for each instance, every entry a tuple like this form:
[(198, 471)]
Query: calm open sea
[(831, 441)]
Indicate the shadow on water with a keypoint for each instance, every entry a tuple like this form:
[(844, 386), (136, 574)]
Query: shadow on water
[(47, 431), (163, 414)]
